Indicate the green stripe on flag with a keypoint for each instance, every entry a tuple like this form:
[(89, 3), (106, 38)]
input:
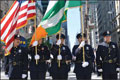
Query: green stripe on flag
[(54, 10), (55, 28), (72, 3), (53, 17)]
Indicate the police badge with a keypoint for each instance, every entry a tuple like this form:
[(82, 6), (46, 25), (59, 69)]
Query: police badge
[(87, 48), (63, 48), (19, 50), (113, 46)]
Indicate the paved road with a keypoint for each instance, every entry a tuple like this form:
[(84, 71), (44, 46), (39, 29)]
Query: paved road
[(70, 77)]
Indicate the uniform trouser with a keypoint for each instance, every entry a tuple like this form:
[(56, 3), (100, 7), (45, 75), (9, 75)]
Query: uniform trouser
[(37, 75), (15, 77), (79, 76), (61, 76), (109, 76)]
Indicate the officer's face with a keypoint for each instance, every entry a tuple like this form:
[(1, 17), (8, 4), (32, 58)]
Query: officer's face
[(16, 42), (79, 40), (40, 41), (62, 40), (107, 38)]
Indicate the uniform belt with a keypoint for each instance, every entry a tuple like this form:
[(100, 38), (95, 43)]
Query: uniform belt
[(79, 61), (110, 61), (41, 60), (62, 61), (16, 63)]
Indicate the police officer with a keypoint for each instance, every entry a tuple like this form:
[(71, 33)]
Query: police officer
[(107, 58), (6, 64), (18, 61), (64, 58), (38, 69), (83, 69)]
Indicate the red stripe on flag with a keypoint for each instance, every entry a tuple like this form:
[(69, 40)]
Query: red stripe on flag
[(8, 11), (8, 22), (31, 15), (31, 7), (23, 7), (23, 15), (10, 41), (21, 24)]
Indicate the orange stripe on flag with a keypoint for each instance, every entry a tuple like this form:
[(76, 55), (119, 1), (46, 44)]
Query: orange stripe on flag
[(40, 33)]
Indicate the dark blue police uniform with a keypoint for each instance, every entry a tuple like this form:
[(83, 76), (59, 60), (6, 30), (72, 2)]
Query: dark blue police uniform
[(108, 58), (18, 63), (38, 71), (61, 72), (83, 72)]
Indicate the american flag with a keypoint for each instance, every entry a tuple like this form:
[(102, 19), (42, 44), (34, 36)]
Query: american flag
[(16, 18)]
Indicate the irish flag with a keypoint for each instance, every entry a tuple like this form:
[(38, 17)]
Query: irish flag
[(73, 3), (51, 21)]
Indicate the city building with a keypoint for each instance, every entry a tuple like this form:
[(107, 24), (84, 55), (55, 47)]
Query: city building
[(93, 25), (106, 13), (117, 18)]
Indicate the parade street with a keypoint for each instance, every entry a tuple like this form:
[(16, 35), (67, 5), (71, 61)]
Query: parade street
[(59, 39), (70, 77)]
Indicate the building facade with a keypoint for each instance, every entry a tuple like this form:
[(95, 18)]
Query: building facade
[(117, 18), (106, 12)]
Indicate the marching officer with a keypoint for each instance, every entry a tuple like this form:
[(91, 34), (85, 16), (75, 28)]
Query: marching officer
[(63, 58), (38, 69), (18, 61), (83, 69), (6, 64), (107, 58)]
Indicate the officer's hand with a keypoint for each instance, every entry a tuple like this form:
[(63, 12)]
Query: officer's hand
[(74, 58), (58, 42), (51, 56), (7, 76), (35, 43), (59, 57), (117, 69), (85, 64), (29, 57), (100, 70), (37, 57), (68, 61), (48, 61), (82, 44), (24, 76)]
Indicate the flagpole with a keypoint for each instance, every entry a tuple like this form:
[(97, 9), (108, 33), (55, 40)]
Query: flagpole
[(35, 22), (35, 38), (59, 50), (81, 11)]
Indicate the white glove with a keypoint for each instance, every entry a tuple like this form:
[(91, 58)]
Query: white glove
[(74, 58), (29, 57), (58, 42), (117, 69), (59, 57), (51, 56), (82, 44), (85, 64), (48, 61), (37, 57), (7, 76), (35, 43), (24, 76), (100, 70)]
